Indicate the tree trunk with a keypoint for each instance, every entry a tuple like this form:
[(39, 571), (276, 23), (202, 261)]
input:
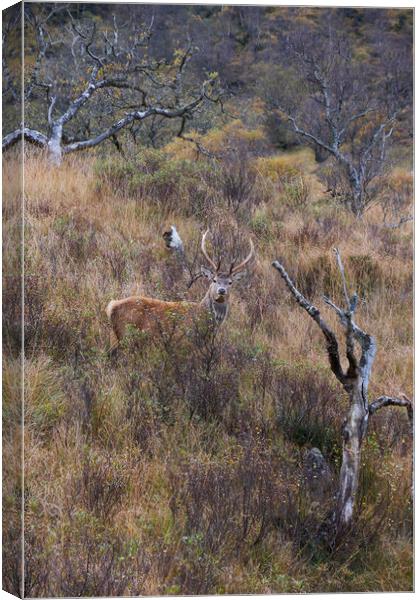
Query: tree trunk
[(353, 433), (55, 151), (357, 202), (357, 198)]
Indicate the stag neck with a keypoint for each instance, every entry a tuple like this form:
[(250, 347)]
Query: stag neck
[(218, 310)]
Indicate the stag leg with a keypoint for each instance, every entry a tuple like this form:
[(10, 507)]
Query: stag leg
[(113, 344)]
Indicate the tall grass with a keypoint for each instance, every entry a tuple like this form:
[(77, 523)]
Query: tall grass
[(172, 469)]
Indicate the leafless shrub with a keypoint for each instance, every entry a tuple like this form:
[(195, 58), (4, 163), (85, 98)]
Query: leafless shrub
[(224, 507), (95, 563), (117, 262), (12, 311), (101, 486), (34, 309), (365, 532), (12, 555), (335, 179), (309, 234), (194, 366), (36, 564), (238, 184), (397, 199), (307, 410), (317, 276)]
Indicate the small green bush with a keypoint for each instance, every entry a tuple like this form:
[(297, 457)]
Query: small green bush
[(174, 185)]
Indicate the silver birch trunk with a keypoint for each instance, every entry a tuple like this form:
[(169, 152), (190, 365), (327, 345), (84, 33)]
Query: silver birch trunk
[(353, 432), (54, 145)]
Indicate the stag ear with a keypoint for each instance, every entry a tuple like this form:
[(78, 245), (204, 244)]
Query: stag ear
[(207, 272)]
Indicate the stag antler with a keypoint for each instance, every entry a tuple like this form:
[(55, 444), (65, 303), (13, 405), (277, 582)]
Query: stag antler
[(203, 249), (243, 264)]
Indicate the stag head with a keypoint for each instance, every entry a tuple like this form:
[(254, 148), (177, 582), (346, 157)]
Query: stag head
[(222, 281)]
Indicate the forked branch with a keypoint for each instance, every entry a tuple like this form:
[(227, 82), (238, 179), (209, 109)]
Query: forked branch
[(383, 401), (332, 344)]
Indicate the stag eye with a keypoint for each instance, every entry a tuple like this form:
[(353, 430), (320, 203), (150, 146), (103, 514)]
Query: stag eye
[(215, 280), (230, 282)]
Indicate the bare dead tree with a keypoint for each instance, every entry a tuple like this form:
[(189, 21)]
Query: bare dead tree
[(87, 81), (355, 381), (338, 106)]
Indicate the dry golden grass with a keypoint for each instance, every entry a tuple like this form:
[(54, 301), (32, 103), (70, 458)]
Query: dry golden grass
[(110, 455)]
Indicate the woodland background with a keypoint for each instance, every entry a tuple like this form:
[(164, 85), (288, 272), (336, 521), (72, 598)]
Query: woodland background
[(171, 471)]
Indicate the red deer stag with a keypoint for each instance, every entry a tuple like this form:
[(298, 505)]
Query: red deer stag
[(148, 314)]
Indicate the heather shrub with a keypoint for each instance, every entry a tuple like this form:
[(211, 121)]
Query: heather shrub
[(44, 398), (172, 185), (395, 193), (308, 409), (223, 507)]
